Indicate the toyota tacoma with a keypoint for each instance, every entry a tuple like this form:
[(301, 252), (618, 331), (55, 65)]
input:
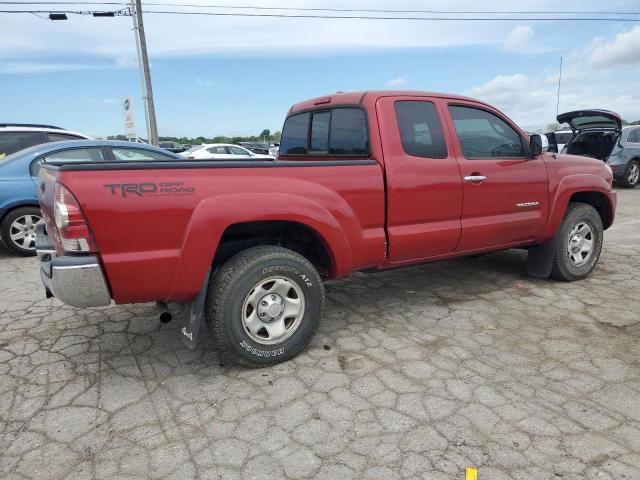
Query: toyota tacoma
[(363, 181)]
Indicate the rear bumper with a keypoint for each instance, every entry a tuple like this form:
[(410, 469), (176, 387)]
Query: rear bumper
[(77, 281)]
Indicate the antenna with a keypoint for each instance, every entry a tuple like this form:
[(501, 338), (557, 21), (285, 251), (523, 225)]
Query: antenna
[(559, 82)]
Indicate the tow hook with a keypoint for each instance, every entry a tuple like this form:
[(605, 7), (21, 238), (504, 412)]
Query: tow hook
[(165, 314)]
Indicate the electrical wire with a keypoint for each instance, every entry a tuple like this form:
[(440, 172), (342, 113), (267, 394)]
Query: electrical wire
[(320, 9), (339, 17)]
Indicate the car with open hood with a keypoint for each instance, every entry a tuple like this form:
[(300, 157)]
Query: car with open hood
[(599, 134)]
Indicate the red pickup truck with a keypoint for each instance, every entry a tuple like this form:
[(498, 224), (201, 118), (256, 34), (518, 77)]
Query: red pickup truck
[(364, 181)]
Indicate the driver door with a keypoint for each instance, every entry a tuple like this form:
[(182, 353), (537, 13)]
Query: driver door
[(505, 191)]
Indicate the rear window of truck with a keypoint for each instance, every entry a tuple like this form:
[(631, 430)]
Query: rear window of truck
[(337, 131)]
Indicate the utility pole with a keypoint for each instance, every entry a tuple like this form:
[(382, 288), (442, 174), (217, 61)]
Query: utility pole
[(143, 61)]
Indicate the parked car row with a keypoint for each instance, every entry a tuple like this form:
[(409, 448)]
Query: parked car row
[(223, 151), (260, 149)]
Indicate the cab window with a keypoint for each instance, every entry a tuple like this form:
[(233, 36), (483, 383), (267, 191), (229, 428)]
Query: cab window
[(337, 131), (420, 129), (483, 134)]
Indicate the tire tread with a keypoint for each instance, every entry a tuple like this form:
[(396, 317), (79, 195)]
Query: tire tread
[(220, 288)]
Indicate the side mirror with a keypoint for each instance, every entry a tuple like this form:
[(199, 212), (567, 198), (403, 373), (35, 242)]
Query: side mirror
[(538, 144)]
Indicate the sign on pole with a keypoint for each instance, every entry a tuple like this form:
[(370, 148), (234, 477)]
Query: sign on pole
[(129, 123)]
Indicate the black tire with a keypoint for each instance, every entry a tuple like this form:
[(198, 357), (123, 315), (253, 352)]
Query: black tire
[(228, 301), (563, 267), (629, 179), (5, 231)]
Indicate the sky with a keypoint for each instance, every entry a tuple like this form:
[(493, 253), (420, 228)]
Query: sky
[(237, 76)]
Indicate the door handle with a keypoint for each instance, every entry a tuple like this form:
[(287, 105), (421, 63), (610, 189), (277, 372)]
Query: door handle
[(475, 178)]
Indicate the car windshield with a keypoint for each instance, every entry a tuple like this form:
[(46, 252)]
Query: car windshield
[(563, 137)]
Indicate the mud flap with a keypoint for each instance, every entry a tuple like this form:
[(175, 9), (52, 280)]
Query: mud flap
[(540, 258), (193, 316)]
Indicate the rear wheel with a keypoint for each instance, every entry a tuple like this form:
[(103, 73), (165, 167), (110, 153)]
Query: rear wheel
[(579, 243), (263, 306), (631, 174), (18, 230)]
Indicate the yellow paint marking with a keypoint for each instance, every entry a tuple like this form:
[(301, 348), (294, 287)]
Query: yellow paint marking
[(472, 473)]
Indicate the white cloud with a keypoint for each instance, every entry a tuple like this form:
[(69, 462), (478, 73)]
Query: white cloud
[(623, 50), (531, 100), (26, 37), (204, 82), (20, 67), (519, 38), (395, 82)]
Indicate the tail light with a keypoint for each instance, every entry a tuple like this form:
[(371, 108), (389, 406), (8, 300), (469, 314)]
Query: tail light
[(72, 227)]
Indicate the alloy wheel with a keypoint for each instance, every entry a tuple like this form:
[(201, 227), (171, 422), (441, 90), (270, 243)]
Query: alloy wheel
[(23, 231)]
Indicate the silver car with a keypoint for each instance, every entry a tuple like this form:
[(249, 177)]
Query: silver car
[(599, 134)]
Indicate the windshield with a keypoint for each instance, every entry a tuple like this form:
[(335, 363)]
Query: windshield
[(563, 138)]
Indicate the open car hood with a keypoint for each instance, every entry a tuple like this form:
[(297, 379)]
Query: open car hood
[(586, 119)]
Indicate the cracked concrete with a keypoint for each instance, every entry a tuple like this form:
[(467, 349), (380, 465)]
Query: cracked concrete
[(414, 373)]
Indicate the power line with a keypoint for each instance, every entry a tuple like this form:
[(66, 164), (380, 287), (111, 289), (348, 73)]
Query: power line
[(349, 17), (319, 9)]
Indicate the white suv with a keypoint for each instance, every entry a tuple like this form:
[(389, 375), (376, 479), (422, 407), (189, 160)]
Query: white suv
[(18, 136)]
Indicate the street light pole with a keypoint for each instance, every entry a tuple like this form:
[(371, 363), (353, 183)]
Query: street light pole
[(145, 74)]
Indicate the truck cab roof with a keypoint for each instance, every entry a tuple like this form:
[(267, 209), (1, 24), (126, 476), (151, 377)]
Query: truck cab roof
[(355, 98)]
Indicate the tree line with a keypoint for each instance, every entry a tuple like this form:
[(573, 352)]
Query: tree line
[(265, 136)]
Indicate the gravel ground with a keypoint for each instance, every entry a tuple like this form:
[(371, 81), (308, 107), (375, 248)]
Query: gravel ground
[(414, 373)]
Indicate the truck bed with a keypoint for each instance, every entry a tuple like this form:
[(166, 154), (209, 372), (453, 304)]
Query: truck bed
[(157, 225)]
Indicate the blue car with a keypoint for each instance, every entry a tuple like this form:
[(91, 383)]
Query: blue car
[(19, 210)]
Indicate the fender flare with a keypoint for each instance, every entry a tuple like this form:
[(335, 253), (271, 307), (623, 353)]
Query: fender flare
[(214, 215), (25, 202), (569, 186)]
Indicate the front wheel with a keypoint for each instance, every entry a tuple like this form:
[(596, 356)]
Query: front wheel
[(579, 243), (263, 306)]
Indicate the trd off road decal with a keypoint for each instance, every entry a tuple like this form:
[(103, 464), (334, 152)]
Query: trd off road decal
[(149, 189)]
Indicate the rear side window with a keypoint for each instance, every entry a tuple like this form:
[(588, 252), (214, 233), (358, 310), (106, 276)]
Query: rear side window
[(349, 132), (11, 142), (69, 156), (138, 155), (238, 151), (295, 134), (339, 131), (218, 150), (420, 129), (483, 134), (634, 136), (60, 137)]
